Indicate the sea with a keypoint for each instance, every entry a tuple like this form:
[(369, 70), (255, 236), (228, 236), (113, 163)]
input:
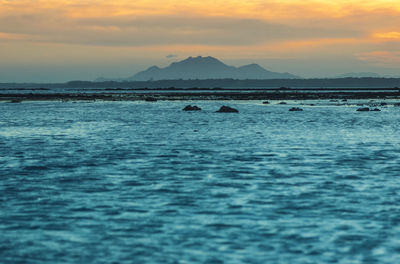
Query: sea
[(145, 182)]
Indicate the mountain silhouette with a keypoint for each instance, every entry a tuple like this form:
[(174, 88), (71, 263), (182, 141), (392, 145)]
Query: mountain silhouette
[(206, 68)]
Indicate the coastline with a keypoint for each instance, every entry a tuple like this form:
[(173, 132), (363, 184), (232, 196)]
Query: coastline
[(184, 95)]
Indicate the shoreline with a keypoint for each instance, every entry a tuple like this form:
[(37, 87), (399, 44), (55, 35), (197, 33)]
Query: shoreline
[(193, 96)]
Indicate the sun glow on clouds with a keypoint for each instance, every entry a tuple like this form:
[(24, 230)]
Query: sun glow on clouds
[(8, 36), (265, 9), (222, 28), (388, 35)]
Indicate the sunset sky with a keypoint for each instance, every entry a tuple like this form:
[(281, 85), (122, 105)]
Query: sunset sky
[(57, 40)]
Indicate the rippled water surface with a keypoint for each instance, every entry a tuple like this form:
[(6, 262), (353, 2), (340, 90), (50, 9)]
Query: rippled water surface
[(135, 182)]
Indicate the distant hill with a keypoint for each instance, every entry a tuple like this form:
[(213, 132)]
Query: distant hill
[(359, 75), (204, 68)]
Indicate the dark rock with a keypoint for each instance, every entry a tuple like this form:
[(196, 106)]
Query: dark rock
[(293, 109), (227, 109), (266, 102), (191, 108), (363, 109), (282, 103), (383, 104), (150, 99), (344, 100), (376, 110)]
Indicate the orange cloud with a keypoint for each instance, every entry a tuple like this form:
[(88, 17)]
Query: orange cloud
[(239, 28), (8, 36), (272, 9), (311, 43), (387, 35)]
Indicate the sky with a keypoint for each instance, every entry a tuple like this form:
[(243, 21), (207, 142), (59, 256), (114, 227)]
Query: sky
[(60, 40)]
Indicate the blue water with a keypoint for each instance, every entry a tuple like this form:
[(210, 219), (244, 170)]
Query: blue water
[(136, 182)]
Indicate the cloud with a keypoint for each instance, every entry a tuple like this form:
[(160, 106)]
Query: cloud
[(381, 58), (388, 36), (289, 29), (170, 56), (209, 22), (10, 36), (162, 30)]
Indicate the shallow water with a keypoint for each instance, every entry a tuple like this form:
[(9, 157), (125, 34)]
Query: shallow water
[(136, 182)]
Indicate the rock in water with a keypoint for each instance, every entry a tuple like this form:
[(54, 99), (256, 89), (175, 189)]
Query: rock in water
[(294, 109), (376, 110), (363, 109), (150, 99), (191, 108), (227, 109), (266, 102)]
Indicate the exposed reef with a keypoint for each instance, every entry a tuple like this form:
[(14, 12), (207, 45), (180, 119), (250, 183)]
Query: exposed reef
[(191, 108), (152, 95), (227, 109), (295, 109), (367, 109), (363, 109), (150, 99)]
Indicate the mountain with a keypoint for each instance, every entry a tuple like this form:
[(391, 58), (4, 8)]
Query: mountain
[(359, 75), (207, 68)]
